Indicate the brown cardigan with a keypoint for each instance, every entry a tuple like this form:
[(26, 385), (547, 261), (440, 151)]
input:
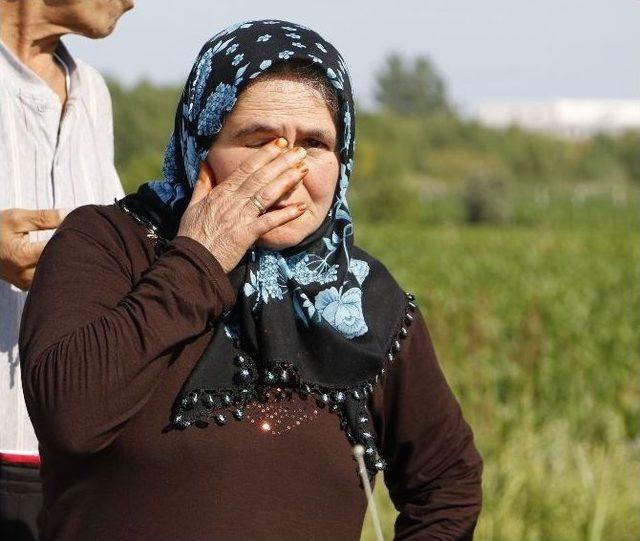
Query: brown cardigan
[(108, 338)]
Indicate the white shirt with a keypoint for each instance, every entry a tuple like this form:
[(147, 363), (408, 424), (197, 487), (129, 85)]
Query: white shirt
[(46, 162)]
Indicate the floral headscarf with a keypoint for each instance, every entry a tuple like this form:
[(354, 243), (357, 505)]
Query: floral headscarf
[(322, 317)]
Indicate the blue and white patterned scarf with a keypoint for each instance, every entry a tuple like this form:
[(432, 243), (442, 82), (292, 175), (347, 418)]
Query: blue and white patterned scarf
[(225, 65)]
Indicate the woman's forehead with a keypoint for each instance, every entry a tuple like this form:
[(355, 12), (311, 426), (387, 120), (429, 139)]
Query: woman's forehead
[(274, 102), (283, 93)]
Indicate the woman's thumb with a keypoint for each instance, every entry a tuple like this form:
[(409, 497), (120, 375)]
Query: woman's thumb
[(203, 185)]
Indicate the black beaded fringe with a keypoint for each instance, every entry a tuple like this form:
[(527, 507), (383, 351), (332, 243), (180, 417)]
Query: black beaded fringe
[(199, 406)]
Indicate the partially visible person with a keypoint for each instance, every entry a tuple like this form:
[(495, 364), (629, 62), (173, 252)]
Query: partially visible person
[(56, 153)]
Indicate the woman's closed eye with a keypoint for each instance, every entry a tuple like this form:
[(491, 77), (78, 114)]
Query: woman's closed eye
[(258, 143), (308, 143), (315, 143)]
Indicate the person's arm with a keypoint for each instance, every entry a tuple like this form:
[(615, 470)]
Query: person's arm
[(90, 337), (434, 470)]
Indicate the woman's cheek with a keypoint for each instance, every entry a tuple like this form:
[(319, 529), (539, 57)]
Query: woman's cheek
[(224, 162), (321, 184)]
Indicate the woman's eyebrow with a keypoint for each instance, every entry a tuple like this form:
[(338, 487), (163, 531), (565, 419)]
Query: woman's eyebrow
[(259, 127)]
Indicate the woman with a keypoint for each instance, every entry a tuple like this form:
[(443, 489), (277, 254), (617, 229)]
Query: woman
[(199, 358)]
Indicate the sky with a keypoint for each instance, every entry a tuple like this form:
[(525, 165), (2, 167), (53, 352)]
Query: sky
[(487, 51)]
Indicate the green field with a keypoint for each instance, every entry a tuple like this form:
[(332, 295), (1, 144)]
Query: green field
[(537, 330), (534, 310)]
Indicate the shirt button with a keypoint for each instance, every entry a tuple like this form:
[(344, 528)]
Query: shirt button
[(41, 108)]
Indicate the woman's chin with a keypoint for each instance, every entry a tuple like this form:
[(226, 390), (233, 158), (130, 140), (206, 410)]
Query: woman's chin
[(283, 236)]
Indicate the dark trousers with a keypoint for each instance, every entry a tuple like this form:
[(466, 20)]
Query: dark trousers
[(20, 502)]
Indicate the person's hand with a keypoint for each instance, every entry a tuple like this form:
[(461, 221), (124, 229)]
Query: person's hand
[(18, 256), (223, 217)]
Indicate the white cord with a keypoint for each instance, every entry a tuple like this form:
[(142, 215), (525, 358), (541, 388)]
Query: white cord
[(358, 453)]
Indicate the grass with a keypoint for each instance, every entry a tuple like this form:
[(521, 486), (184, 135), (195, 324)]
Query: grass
[(537, 330)]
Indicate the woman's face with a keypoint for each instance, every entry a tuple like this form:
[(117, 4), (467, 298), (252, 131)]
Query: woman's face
[(291, 109)]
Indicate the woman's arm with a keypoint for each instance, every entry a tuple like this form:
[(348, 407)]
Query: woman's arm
[(91, 333), (90, 336), (434, 470)]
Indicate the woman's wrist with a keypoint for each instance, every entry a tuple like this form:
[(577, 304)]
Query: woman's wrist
[(208, 263)]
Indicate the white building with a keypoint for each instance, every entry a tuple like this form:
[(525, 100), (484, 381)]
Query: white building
[(567, 117)]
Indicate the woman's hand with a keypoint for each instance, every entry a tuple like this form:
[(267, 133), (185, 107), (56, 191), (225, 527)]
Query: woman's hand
[(223, 217)]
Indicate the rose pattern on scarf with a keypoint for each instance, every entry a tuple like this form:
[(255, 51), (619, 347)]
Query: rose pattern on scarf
[(275, 271), (343, 311), (360, 269)]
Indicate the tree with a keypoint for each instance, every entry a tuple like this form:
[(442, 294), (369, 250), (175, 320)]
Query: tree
[(410, 88)]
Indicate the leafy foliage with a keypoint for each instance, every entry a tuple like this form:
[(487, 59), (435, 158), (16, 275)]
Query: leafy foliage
[(537, 332), (410, 88), (143, 119)]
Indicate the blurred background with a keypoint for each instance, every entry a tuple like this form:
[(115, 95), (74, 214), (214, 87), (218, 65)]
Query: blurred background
[(500, 140)]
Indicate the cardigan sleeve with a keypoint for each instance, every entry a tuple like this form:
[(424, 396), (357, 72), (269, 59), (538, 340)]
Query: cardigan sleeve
[(434, 469), (91, 338)]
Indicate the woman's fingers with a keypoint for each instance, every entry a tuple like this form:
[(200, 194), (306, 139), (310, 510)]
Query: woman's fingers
[(258, 159), (274, 190), (275, 218), (219, 218), (268, 172)]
